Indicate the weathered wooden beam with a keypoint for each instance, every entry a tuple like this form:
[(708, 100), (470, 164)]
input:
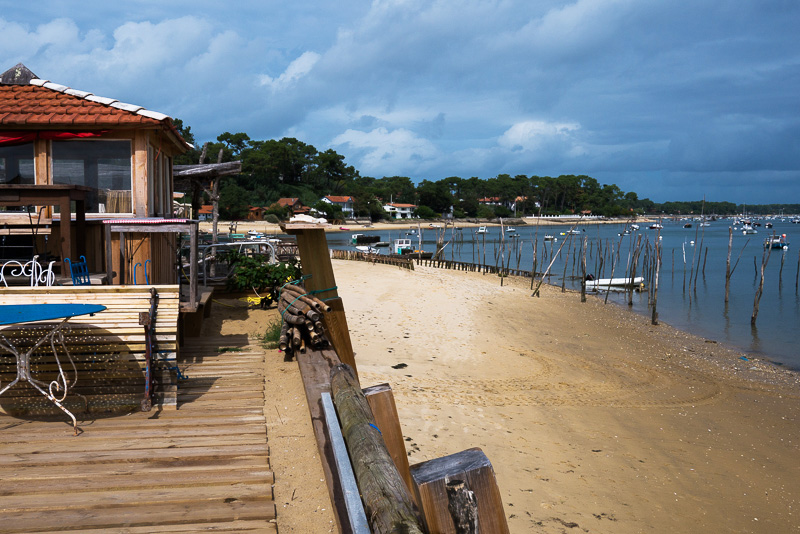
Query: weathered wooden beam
[(471, 466), (386, 499), (315, 369), (381, 402), (208, 170)]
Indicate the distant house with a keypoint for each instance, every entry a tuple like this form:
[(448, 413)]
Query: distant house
[(205, 212), (255, 213), (293, 203), (399, 211), (346, 203)]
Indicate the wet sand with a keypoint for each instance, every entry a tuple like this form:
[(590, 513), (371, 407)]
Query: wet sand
[(593, 419)]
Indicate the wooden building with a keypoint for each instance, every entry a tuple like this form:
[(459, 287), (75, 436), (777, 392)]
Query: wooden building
[(120, 155)]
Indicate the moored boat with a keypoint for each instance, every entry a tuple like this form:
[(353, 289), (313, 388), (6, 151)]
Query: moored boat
[(777, 242), (601, 283)]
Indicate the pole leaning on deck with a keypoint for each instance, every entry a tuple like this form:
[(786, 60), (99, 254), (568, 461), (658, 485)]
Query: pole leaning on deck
[(316, 262), (387, 501)]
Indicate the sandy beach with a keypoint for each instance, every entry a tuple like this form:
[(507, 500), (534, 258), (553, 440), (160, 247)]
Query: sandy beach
[(593, 419)]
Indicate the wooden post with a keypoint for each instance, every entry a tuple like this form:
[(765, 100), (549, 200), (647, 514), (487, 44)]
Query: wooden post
[(316, 262), (387, 501), (470, 466), (463, 507), (381, 402)]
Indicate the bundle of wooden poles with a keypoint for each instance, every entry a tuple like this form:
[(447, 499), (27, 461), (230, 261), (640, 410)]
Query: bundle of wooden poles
[(302, 320)]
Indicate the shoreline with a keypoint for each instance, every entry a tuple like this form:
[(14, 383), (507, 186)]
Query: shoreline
[(270, 229)]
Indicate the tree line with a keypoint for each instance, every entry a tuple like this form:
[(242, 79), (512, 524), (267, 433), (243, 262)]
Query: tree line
[(274, 169)]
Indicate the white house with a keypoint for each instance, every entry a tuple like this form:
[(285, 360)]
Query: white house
[(399, 211), (346, 203)]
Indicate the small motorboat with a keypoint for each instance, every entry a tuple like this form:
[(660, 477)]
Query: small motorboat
[(481, 230)]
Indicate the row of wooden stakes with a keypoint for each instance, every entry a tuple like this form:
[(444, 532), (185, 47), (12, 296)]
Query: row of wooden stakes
[(302, 320)]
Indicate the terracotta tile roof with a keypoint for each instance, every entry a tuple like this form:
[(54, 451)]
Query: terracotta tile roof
[(41, 104), (340, 200), (31, 105), (206, 209), (287, 201), (399, 205)]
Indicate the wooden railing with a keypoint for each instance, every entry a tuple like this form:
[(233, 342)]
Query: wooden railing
[(352, 255), (473, 267)]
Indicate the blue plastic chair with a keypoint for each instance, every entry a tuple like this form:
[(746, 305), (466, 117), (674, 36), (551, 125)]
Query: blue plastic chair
[(79, 272)]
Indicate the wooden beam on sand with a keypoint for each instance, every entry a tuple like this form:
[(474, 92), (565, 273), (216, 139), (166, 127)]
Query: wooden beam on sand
[(315, 370), (386, 498)]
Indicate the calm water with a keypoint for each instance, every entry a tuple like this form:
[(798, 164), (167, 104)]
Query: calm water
[(697, 308)]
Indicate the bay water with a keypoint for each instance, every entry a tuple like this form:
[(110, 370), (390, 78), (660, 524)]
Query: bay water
[(691, 287)]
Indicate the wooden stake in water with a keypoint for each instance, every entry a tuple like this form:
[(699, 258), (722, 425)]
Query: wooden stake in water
[(760, 290), (654, 318), (583, 270)]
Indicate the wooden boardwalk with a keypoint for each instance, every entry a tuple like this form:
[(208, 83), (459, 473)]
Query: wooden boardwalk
[(204, 466)]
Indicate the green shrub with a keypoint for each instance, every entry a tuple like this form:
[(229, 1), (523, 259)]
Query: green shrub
[(254, 272), (271, 218), (272, 334)]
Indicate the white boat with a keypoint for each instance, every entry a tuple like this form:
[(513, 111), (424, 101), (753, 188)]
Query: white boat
[(573, 232), (634, 227), (748, 229), (549, 237), (481, 230), (401, 245), (510, 229), (656, 226), (367, 249), (600, 283)]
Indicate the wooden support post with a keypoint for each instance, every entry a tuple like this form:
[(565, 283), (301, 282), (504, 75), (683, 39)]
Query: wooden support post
[(474, 469), (381, 402), (387, 502), (316, 262)]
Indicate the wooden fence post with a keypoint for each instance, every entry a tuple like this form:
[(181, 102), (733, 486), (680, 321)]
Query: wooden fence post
[(381, 401), (474, 469), (316, 261)]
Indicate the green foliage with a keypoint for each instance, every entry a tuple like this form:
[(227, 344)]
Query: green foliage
[(332, 212), (484, 212), (271, 218), (272, 334), (253, 272), (424, 212)]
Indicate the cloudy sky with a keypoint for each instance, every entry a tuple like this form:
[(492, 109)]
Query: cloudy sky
[(673, 99)]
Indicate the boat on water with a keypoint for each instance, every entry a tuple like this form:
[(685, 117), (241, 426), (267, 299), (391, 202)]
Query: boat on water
[(400, 246), (634, 227), (367, 249), (748, 229), (361, 239), (656, 226), (510, 229), (549, 237), (687, 225), (626, 282), (481, 230), (777, 241)]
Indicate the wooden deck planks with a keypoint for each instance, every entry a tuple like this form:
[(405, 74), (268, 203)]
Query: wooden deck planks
[(202, 467)]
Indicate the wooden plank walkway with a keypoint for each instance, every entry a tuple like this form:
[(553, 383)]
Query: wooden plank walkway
[(203, 467)]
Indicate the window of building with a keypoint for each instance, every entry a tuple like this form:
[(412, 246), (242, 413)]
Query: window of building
[(105, 166), (16, 164)]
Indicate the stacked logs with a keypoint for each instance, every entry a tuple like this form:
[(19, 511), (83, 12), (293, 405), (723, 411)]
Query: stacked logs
[(302, 321)]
